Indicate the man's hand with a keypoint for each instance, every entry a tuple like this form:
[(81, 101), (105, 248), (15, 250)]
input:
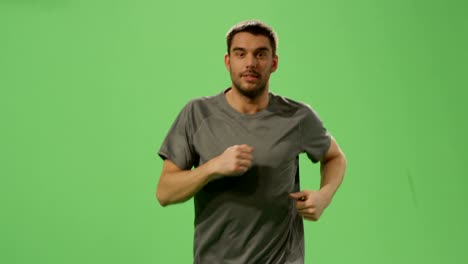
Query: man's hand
[(310, 204), (234, 161)]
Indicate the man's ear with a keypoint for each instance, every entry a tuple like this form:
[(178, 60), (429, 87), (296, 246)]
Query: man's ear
[(227, 62), (274, 64)]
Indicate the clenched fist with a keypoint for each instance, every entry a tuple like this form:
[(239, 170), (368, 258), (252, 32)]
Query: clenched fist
[(310, 204), (234, 161)]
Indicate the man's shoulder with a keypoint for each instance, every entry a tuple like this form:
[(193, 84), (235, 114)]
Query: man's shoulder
[(202, 107), (204, 101), (288, 105), (288, 101)]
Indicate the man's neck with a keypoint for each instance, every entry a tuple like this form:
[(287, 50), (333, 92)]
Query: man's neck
[(246, 105)]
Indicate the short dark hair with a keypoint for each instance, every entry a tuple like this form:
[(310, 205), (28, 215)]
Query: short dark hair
[(254, 27)]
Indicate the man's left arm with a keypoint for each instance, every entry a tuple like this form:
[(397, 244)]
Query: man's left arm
[(311, 204)]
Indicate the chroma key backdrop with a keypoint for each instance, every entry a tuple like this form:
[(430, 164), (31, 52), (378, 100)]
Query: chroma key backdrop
[(89, 89)]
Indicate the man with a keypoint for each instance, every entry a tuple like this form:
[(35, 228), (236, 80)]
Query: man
[(237, 153)]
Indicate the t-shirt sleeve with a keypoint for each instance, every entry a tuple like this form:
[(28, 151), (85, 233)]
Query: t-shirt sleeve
[(315, 139), (177, 146)]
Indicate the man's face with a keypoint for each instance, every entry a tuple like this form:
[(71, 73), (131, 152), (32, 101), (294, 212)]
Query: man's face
[(250, 63)]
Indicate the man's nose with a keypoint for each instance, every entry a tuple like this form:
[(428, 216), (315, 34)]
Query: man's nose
[(251, 61)]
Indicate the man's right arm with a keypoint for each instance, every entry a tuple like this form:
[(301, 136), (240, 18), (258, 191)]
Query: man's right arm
[(177, 185)]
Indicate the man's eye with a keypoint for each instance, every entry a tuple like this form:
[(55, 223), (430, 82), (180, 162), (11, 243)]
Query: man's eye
[(240, 55), (261, 54)]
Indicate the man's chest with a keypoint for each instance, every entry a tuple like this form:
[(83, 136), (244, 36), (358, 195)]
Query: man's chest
[(275, 140)]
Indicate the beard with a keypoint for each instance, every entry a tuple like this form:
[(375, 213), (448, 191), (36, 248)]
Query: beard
[(252, 92)]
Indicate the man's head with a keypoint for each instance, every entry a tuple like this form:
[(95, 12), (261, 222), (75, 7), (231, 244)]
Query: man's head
[(251, 56), (254, 27)]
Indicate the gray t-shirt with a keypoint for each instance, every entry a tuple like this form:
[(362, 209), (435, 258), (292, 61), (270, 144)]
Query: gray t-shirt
[(250, 218)]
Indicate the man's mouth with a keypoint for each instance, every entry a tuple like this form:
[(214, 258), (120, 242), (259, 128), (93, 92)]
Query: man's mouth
[(250, 76)]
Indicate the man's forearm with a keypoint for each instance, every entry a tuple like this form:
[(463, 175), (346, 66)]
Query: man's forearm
[(176, 185), (332, 172), (179, 186)]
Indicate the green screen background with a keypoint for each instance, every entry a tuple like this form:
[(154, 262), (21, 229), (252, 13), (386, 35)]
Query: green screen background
[(89, 89)]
